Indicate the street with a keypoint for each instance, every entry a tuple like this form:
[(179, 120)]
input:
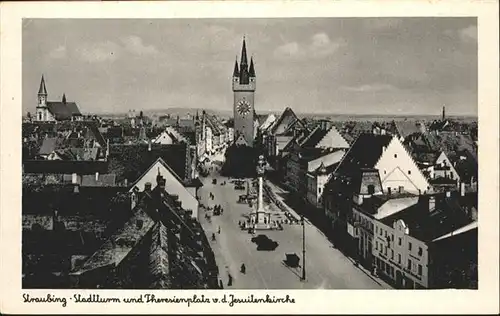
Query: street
[(326, 267)]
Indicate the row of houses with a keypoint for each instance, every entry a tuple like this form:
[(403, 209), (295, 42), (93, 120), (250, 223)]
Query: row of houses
[(389, 198), (152, 239)]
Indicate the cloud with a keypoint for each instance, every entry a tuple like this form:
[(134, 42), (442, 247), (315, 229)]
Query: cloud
[(135, 45), (99, 52), (320, 45), (469, 34), (375, 87), (58, 53), (288, 50)]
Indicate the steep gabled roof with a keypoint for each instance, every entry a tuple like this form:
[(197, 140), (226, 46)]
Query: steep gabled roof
[(314, 137), (49, 144), (407, 128), (364, 153), (287, 118), (63, 111)]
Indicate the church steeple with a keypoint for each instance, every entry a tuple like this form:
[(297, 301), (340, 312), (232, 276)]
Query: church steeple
[(64, 98), (236, 71), (251, 71), (444, 114), (42, 90)]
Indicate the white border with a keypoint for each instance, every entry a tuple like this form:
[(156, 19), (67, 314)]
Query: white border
[(484, 300)]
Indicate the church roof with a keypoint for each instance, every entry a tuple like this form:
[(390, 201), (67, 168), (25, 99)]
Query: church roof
[(63, 111)]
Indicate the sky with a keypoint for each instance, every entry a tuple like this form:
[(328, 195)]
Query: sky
[(383, 66)]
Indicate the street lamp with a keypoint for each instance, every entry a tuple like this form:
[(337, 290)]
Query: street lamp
[(303, 248)]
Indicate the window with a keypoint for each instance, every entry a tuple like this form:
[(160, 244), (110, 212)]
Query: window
[(395, 155), (385, 251), (392, 254), (419, 269), (409, 264), (399, 258), (420, 251), (400, 241), (376, 229), (392, 237), (376, 245), (385, 171), (386, 234), (409, 171), (409, 246)]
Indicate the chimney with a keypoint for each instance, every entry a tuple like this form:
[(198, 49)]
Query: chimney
[(432, 203), (97, 176), (462, 188), (147, 187), (161, 183)]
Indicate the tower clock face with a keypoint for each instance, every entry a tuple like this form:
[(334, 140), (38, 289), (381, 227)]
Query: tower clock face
[(243, 107)]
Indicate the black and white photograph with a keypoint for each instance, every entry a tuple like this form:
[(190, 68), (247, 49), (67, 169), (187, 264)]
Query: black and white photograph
[(256, 153)]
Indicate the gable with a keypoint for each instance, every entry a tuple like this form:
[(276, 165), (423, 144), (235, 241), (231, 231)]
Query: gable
[(240, 141), (332, 139), (173, 184), (393, 157)]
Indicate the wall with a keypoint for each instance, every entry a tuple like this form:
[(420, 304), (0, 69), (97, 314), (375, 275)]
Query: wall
[(172, 186), (395, 250), (397, 168)]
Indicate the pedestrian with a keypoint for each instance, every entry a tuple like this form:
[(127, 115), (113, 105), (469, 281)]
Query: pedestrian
[(213, 236), (229, 279), (218, 230), (221, 285)]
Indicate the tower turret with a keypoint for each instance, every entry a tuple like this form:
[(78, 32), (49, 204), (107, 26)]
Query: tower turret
[(251, 71), (236, 71)]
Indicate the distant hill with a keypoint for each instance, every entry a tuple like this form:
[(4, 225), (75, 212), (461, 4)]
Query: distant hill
[(182, 112)]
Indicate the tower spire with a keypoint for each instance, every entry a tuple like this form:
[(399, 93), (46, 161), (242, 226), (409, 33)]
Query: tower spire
[(244, 60), (244, 64), (42, 90), (236, 71), (444, 113), (64, 98), (251, 71)]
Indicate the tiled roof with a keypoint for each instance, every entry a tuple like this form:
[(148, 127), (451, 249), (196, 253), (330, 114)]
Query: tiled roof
[(364, 153), (103, 180), (119, 245), (282, 124), (131, 161), (64, 166), (408, 127), (49, 144), (63, 111), (314, 137), (427, 225)]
